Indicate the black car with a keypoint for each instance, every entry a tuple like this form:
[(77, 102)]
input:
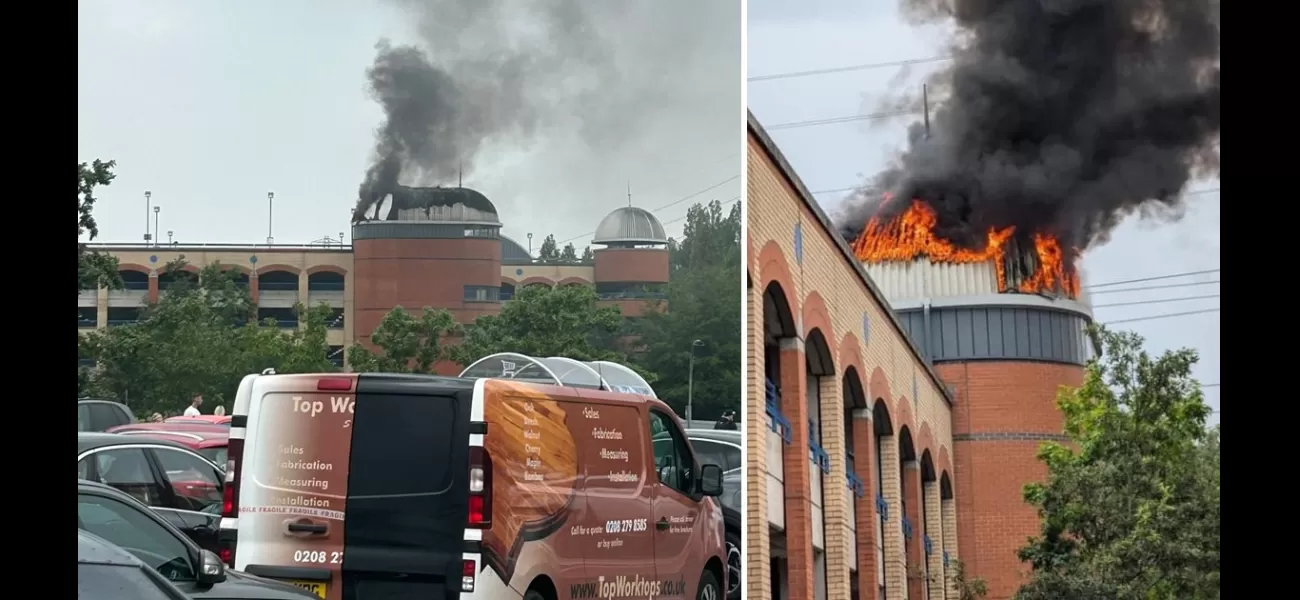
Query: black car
[(121, 520), (99, 415), (722, 447), (106, 572), (179, 484)]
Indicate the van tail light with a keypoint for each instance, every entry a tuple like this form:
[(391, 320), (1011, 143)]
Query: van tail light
[(480, 488), (468, 569), (230, 492), (334, 384)]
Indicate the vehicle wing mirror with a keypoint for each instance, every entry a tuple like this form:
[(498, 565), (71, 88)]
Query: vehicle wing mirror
[(211, 569), (711, 480)]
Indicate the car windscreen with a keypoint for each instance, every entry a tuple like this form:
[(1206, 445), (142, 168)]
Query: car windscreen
[(117, 582)]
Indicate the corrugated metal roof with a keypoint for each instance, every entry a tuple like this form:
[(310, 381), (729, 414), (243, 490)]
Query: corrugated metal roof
[(924, 279), (630, 224)]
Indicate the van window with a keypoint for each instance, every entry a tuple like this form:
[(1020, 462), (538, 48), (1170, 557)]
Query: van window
[(411, 456), (673, 462)]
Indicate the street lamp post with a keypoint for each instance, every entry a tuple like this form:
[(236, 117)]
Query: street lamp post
[(690, 384), (148, 195), (156, 210), (270, 218)]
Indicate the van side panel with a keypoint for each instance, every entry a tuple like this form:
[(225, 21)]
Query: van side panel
[(408, 489), (536, 485)]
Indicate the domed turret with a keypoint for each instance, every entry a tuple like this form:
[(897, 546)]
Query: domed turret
[(628, 227)]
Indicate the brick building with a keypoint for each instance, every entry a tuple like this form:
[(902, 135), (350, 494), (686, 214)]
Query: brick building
[(440, 247), (898, 408)]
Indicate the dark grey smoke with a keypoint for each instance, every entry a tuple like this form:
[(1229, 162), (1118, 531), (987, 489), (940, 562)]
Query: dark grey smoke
[(1061, 116), (483, 69)]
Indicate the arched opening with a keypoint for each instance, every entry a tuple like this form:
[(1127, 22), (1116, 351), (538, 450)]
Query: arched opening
[(322, 281), (882, 429), (239, 277), (909, 483), (507, 291), (854, 400), (133, 280), (277, 281), (929, 510), (820, 372), (778, 326), (174, 279)]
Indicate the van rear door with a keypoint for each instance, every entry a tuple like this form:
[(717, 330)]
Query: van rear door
[(408, 487)]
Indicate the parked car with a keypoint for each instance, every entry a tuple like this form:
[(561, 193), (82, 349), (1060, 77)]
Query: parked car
[(722, 447), (115, 517), (106, 572), (212, 419), (210, 441), (98, 415), (179, 484)]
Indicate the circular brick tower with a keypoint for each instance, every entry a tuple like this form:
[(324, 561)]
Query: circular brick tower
[(632, 268), (435, 247), (1004, 356)]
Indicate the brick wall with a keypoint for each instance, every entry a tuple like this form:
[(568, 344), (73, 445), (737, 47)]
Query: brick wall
[(1004, 411), (789, 247)]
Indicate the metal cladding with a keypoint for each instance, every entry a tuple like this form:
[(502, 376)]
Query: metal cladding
[(958, 312), (629, 225)]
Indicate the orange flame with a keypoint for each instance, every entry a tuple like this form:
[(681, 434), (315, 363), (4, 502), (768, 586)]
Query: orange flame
[(910, 236)]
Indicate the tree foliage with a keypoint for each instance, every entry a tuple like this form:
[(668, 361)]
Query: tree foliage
[(94, 269), (201, 337), (545, 321), (549, 252), (588, 256), (569, 254), (406, 344), (1130, 508), (967, 589), (704, 303)]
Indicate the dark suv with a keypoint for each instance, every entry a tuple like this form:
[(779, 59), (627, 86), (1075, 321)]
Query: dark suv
[(98, 415)]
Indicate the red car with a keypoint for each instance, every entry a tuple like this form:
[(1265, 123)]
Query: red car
[(207, 439), (205, 419)]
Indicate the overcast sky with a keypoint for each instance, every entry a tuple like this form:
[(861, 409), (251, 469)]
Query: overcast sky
[(210, 105), (788, 37)]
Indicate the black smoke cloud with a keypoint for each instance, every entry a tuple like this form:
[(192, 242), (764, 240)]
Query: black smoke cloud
[(1060, 116), (482, 70)]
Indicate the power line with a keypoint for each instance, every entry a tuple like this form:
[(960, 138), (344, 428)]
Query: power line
[(1209, 385), (845, 119), (729, 202), (675, 202), (1167, 286), (1156, 278), (685, 198), (1164, 316), (1160, 301), (863, 67), (835, 191)]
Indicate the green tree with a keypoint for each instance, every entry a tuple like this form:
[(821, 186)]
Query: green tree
[(406, 344), (588, 256), (201, 337), (569, 254), (967, 589), (545, 321), (549, 252), (94, 269), (703, 303), (1130, 507)]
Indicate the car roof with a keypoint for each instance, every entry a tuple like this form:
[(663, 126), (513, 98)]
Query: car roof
[(87, 440), (169, 427), (190, 439), (98, 401), (96, 550), (730, 436)]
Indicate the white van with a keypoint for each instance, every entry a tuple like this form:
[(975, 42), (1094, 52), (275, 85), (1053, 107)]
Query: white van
[(523, 478)]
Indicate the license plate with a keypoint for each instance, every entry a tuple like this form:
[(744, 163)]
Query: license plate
[(314, 587)]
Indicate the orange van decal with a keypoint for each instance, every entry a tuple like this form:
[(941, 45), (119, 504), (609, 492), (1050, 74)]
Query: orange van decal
[(535, 470)]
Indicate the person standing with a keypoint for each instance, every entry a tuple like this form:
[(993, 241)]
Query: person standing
[(193, 409)]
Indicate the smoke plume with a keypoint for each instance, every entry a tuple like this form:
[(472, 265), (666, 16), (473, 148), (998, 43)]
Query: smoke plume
[(1060, 116), (519, 96)]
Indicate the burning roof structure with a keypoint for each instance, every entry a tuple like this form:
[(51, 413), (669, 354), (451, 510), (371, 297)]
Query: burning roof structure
[(1025, 262)]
